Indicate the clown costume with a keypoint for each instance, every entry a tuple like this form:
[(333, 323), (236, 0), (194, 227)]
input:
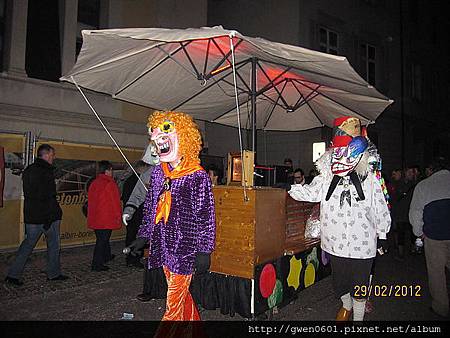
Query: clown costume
[(353, 211), (179, 216)]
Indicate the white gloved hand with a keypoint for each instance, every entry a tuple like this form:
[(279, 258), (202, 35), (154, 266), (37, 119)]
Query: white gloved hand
[(125, 218)]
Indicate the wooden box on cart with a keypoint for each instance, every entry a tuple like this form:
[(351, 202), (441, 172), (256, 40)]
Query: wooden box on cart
[(262, 258), (249, 232)]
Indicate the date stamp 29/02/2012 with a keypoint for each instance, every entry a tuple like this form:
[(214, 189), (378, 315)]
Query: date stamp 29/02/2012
[(396, 290)]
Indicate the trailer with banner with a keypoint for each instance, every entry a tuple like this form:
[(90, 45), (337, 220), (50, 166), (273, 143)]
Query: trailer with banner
[(75, 165)]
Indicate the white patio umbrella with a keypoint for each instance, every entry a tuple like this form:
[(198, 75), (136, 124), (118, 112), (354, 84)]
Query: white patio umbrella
[(214, 74), (285, 87)]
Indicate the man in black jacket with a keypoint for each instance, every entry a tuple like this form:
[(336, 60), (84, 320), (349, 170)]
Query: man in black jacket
[(42, 214)]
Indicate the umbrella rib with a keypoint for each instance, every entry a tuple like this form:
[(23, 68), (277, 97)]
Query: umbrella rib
[(243, 81), (206, 56), (280, 94), (274, 87), (302, 96), (225, 57), (271, 84), (148, 71), (115, 59), (307, 99), (274, 102), (273, 108), (231, 84), (315, 114), (300, 100), (239, 64), (265, 74), (305, 102), (178, 62), (333, 100), (223, 90), (317, 73), (220, 49), (190, 60)]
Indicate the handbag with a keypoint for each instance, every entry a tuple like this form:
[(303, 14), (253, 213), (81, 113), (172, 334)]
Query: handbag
[(312, 227)]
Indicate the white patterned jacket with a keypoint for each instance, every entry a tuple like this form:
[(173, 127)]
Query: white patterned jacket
[(349, 226)]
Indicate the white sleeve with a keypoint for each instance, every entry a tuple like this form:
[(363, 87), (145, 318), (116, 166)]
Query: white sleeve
[(309, 192), (382, 214), (416, 212)]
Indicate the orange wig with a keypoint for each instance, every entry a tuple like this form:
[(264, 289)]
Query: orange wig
[(189, 136)]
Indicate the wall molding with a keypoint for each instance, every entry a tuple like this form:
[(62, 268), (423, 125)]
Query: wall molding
[(66, 118)]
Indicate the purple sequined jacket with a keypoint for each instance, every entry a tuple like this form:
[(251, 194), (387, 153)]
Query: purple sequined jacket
[(191, 226)]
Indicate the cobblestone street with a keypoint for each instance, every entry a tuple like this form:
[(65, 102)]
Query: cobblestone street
[(108, 295)]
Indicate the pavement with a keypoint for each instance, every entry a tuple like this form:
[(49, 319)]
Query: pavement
[(106, 296)]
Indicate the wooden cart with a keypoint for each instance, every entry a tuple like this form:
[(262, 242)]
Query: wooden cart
[(260, 246)]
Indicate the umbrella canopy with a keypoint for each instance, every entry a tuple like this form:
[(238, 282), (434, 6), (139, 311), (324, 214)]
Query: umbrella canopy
[(288, 87)]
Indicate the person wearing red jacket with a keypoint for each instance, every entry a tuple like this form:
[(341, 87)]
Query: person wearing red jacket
[(104, 214)]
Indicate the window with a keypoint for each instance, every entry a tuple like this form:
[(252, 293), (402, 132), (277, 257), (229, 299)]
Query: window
[(368, 63), (2, 30), (328, 41), (43, 53), (416, 82), (88, 18)]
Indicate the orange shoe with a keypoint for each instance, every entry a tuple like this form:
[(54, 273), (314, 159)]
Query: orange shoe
[(343, 315)]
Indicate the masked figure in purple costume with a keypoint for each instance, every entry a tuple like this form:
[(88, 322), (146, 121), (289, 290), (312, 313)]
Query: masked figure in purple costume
[(179, 215)]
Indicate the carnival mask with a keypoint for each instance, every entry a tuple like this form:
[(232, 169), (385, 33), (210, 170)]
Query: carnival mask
[(345, 159), (166, 139), (151, 154)]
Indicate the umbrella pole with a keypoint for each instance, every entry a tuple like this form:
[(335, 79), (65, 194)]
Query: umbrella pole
[(253, 106), (107, 131), (238, 113)]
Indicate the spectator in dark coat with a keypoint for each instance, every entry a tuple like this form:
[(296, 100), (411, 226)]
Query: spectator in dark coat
[(42, 215), (400, 209), (289, 170), (104, 213)]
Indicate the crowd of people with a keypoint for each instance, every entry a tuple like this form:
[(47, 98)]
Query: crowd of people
[(354, 214), (420, 208), (401, 186), (296, 176)]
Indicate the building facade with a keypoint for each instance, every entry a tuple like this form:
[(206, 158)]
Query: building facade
[(395, 45)]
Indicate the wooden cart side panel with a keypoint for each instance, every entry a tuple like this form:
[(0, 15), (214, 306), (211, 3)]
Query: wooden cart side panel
[(297, 214), (235, 227), (271, 223)]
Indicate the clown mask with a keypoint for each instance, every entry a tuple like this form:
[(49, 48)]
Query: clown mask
[(345, 159), (166, 139)]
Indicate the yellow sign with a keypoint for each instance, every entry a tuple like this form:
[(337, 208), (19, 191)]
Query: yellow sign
[(11, 212)]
